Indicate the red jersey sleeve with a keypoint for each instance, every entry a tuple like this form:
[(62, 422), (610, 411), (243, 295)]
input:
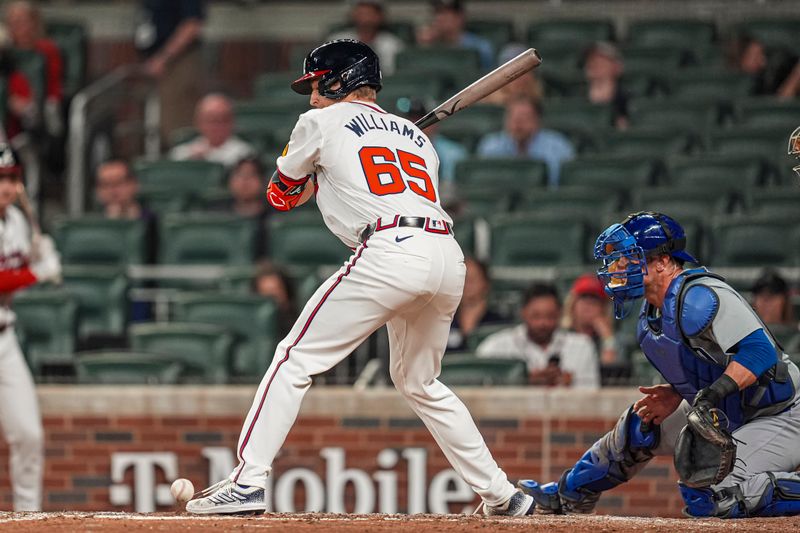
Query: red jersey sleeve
[(54, 64)]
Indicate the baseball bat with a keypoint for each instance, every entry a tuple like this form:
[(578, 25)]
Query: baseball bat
[(502, 75)]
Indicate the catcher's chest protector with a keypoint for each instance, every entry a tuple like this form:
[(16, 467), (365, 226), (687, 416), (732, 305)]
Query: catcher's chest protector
[(683, 367)]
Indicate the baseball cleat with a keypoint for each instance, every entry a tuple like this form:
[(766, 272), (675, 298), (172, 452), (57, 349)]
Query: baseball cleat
[(546, 496), (228, 497), (519, 504)]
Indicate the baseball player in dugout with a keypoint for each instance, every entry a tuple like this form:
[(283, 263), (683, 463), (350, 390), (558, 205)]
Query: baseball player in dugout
[(729, 410), (25, 258), (375, 179)]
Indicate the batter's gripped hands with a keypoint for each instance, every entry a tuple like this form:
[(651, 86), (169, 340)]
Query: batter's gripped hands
[(659, 402)]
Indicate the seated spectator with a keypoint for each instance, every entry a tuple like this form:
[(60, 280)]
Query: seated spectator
[(116, 187), (523, 136), (603, 68), (20, 105), (526, 86), (588, 311), (448, 28), (368, 20), (772, 300), (215, 121), (554, 356), (474, 309), (781, 79), (24, 23), (271, 281), (449, 151), (247, 183)]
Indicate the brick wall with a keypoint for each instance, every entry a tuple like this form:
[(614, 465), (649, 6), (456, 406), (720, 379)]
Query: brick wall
[(80, 444)]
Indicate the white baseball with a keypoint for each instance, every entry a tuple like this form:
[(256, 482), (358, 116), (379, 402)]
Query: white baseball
[(182, 490)]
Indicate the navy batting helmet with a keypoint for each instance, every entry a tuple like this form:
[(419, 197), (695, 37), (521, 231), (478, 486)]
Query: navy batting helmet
[(351, 63)]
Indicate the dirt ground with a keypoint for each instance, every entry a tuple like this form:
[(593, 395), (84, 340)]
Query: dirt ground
[(132, 523)]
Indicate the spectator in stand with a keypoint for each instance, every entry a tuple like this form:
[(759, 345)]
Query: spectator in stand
[(272, 281), (523, 136), (448, 28), (247, 182), (168, 40), (555, 357), (368, 20), (116, 187), (603, 68), (587, 310), (772, 300), (781, 79), (474, 310), (526, 86), (25, 27), (215, 121), (20, 109)]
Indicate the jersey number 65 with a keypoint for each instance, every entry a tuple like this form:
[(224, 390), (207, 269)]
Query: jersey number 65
[(384, 177)]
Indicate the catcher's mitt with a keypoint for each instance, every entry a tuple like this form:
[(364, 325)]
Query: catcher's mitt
[(705, 451)]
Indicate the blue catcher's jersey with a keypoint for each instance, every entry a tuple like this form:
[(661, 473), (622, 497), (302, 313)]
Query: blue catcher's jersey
[(691, 341)]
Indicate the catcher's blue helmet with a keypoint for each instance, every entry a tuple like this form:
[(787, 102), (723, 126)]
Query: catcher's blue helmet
[(625, 248)]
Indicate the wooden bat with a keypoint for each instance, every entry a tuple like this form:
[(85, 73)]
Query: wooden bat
[(502, 75)]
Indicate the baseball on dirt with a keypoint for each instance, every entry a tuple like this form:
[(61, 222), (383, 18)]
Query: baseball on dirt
[(182, 490)]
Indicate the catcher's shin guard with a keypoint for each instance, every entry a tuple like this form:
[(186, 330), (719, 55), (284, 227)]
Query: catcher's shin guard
[(781, 498)]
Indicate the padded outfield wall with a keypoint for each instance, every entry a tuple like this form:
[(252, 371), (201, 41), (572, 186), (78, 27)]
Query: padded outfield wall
[(119, 448)]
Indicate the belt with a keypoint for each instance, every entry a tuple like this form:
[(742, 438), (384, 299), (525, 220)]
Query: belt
[(431, 225)]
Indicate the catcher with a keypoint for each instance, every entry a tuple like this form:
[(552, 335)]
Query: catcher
[(729, 412)]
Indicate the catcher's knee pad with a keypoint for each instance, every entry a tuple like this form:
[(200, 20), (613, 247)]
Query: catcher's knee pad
[(782, 498), (615, 458)]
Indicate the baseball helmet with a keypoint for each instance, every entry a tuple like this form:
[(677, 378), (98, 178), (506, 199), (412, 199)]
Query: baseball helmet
[(625, 248), (794, 148), (351, 63), (10, 165)]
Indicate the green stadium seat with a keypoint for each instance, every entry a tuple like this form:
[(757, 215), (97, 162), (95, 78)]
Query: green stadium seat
[(253, 318), (480, 333), (238, 279), (275, 84), (531, 240), (577, 113), (438, 59), (304, 243), (498, 32), (671, 115), (101, 293), (206, 239), (161, 201), (267, 119), (681, 203), (705, 84), (485, 199), (509, 174), (752, 242), (469, 125), (768, 113), (756, 142), (576, 32), (399, 89), (126, 368), (179, 176), (582, 202), (100, 241), (652, 59), (653, 144), (775, 202), (403, 29), (779, 32), (466, 371), (672, 32), (564, 82), (205, 350), (617, 174), (72, 39), (32, 66), (721, 173), (47, 326)]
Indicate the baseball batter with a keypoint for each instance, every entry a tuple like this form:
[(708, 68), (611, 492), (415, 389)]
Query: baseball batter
[(717, 358), (22, 263), (375, 176)]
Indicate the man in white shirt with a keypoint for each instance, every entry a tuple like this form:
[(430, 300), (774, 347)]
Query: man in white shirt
[(554, 356), (214, 120)]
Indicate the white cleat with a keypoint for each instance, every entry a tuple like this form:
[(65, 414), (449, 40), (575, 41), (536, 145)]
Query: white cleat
[(228, 497)]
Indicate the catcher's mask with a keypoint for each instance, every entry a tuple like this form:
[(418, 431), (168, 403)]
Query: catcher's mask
[(794, 148), (624, 267)]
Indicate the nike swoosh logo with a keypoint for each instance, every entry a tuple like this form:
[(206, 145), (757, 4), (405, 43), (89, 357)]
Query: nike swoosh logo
[(401, 239)]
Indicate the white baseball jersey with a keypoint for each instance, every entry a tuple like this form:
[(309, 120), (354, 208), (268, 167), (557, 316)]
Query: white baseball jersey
[(368, 164), (15, 249)]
